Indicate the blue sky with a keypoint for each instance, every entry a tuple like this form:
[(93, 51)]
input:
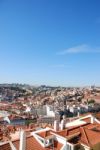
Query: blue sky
[(52, 42)]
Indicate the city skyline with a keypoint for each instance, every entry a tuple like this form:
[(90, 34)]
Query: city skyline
[(50, 42)]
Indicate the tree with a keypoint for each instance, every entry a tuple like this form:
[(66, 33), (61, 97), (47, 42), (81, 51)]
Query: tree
[(92, 101)]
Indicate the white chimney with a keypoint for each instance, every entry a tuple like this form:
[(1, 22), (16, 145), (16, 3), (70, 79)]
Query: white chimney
[(92, 119), (22, 145), (56, 125), (64, 117), (78, 114), (63, 122), (62, 125)]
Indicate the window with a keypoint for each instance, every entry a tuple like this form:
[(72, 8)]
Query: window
[(50, 140)]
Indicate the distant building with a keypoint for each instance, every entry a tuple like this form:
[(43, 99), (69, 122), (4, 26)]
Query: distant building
[(50, 111)]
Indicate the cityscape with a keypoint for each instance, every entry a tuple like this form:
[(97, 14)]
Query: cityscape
[(44, 117), (49, 75)]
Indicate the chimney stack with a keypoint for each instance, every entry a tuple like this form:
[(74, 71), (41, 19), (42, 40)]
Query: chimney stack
[(22, 145), (56, 125), (92, 119), (78, 113), (63, 122)]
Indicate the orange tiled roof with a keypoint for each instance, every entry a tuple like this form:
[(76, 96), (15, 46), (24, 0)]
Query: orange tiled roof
[(33, 144), (5, 147), (87, 133), (44, 134), (89, 137), (88, 120)]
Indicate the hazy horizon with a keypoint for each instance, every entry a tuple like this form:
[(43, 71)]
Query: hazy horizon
[(37, 85)]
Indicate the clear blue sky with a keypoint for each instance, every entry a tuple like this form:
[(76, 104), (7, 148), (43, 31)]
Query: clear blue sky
[(52, 42)]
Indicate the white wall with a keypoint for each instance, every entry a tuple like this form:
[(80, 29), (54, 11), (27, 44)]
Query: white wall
[(50, 111)]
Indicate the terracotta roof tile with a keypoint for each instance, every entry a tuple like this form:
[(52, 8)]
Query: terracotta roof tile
[(88, 120), (89, 137), (5, 147), (33, 144), (44, 134)]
